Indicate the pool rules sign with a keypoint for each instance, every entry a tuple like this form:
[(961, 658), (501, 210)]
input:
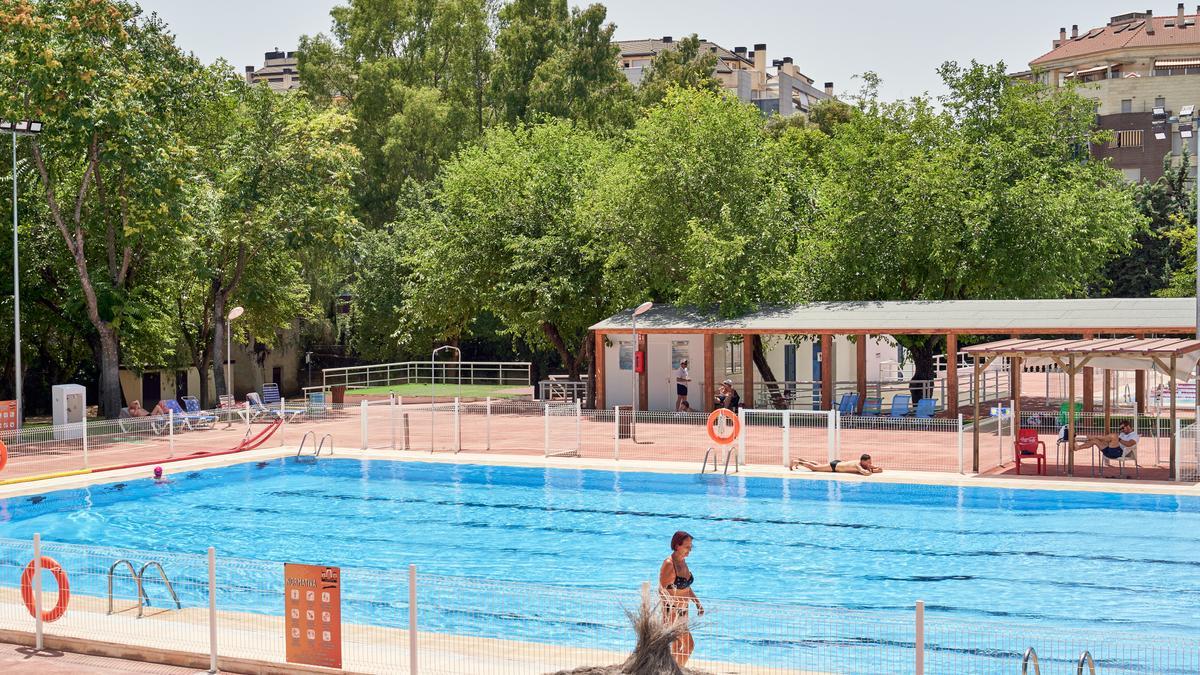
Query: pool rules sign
[(313, 607)]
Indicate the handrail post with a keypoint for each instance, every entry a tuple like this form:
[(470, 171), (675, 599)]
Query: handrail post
[(362, 424), (171, 431), (487, 425), (617, 433), (412, 620), (457, 426), (85, 444), (578, 427), (919, 642), (742, 436), (787, 439), (37, 591), (212, 610), (546, 429), (960, 444), (392, 417), (831, 435)]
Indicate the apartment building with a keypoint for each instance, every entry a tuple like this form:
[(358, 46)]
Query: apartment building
[(279, 71), (1144, 73), (740, 71)]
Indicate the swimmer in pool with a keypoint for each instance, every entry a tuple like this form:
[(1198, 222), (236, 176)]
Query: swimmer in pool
[(158, 476)]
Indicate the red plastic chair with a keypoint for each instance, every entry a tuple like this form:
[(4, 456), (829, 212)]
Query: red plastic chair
[(1029, 446)]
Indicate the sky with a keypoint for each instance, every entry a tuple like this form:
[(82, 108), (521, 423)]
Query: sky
[(904, 42)]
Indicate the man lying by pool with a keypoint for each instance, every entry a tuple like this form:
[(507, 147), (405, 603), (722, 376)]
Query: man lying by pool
[(862, 467)]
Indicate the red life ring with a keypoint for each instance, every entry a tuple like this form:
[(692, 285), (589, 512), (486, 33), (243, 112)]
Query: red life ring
[(64, 589), (3, 455), (712, 426)]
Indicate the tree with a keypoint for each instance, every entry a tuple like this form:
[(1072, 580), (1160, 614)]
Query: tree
[(511, 240), (413, 74), (528, 34), (581, 80), (1151, 266), (112, 88), (271, 201), (684, 66), (986, 198)]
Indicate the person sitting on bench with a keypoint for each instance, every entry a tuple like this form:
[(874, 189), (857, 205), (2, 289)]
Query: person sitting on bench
[(862, 467)]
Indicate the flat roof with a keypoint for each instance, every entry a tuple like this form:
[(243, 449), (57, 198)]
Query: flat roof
[(981, 317)]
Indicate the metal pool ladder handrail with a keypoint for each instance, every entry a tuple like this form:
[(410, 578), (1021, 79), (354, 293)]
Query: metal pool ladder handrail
[(1030, 654), (713, 452), (304, 439), (321, 445), (136, 579), (1086, 657), (163, 574)]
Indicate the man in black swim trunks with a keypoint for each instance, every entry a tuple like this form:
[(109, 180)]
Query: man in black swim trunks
[(863, 466)]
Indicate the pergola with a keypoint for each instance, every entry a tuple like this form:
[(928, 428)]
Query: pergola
[(1173, 357)]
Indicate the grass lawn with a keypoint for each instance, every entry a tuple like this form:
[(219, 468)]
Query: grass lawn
[(451, 390)]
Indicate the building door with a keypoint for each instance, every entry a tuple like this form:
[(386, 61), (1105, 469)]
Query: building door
[(277, 376), (789, 371), (181, 388), (151, 389), (818, 373)]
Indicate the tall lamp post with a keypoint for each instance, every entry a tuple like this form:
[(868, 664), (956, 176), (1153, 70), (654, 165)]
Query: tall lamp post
[(17, 128), (233, 314), (1161, 126), (641, 309)]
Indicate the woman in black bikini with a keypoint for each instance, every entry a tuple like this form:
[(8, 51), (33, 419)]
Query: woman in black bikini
[(675, 585)]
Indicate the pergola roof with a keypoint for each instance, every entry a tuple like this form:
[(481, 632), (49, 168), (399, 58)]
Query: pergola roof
[(1162, 354), (980, 317)]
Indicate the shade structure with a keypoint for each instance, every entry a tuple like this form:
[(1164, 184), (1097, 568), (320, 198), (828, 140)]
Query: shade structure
[(1173, 357)]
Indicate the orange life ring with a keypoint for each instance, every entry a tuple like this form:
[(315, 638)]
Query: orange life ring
[(712, 426), (3, 455), (64, 589)]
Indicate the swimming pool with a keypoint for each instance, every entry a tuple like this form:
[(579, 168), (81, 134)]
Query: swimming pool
[(1104, 561)]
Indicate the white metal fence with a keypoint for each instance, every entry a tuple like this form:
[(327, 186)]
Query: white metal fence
[(226, 612), (439, 372)]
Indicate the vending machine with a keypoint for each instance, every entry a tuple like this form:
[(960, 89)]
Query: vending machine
[(70, 410)]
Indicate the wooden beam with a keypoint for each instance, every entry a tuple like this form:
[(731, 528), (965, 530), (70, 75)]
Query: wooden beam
[(1089, 381), (860, 370), (710, 373), (1071, 417), (827, 374), (952, 373), (748, 370), (598, 355), (1174, 416), (643, 377)]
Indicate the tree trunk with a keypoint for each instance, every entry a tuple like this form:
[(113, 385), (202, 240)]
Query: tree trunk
[(923, 351), (589, 353), (764, 369), (218, 346), (205, 401), (110, 373), (570, 361)]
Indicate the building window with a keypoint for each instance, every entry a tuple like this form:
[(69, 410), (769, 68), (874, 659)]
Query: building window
[(1127, 139), (1127, 105), (1160, 102), (733, 357)]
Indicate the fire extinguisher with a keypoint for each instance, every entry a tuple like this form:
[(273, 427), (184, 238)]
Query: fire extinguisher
[(639, 361)]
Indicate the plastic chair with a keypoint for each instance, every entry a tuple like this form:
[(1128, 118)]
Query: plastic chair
[(849, 404), (1062, 413), (901, 405), (872, 406), (1030, 446), (926, 407)]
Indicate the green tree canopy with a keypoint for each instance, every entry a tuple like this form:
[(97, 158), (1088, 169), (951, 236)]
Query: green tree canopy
[(684, 66)]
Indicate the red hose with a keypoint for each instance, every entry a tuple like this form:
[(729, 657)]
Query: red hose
[(249, 444)]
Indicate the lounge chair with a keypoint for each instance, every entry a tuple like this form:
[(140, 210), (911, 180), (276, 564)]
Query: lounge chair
[(190, 420), (901, 405), (926, 407), (316, 403), (272, 399), (849, 404), (872, 406), (259, 409), (196, 415)]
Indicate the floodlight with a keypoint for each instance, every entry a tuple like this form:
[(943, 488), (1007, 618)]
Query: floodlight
[(5, 125), (1186, 111), (1160, 135), (1160, 112), (1185, 130), (643, 308), (22, 125), (35, 127)]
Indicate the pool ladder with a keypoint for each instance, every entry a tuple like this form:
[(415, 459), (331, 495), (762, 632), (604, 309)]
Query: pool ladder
[(320, 445), (713, 453), (1085, 659), (138, 577)]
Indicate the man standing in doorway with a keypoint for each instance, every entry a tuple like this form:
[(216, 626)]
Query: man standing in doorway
[(681, 387)]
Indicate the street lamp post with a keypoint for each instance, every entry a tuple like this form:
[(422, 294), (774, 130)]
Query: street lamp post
[(233, 314), (641, 309), (17, 128)]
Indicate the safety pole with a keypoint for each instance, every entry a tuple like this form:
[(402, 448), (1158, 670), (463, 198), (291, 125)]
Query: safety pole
[(616, 433), (212, 610), (37, 591), (787, 439), (487, 425), (457, 425), (960, 444), (362, 424), (171, 431), (546, 429), (830, 435), (85, 445), (742, 437), (578, 427), (392, 417), (412, 620), (919, 665)]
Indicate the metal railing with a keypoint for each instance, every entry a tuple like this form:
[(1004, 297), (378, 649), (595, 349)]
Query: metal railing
[(562, 390), (497, 373)]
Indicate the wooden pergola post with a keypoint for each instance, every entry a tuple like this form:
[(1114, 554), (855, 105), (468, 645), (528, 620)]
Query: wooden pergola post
[(643, 377), (748, 370), (1089, 382), (1014, 373), (710, 372), (598, 355), (860, 371), (827, 374), (1107, 401), (981, 363), (1071, 416), (952, 373), (1139, 391)]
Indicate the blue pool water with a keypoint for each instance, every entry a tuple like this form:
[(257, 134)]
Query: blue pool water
[(1097, 560)]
